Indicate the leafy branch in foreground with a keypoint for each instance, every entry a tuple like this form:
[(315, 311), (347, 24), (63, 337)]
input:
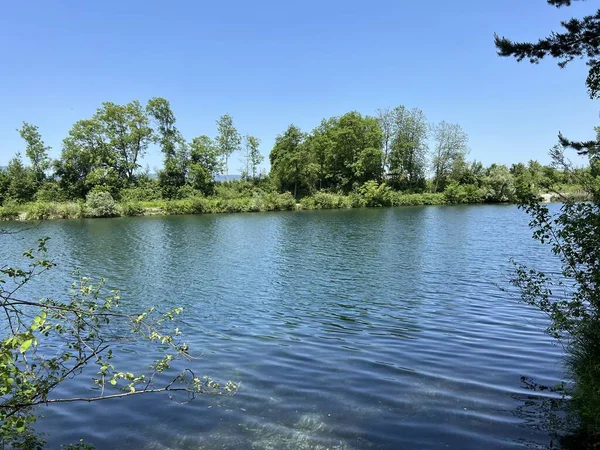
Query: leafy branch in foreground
[(571, 298), (48, 342)]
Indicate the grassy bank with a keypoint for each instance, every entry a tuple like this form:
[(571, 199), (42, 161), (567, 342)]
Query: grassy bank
[(207, 205), (258, 201)]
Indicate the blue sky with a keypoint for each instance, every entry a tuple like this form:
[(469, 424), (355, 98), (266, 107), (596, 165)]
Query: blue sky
[(269, 64)]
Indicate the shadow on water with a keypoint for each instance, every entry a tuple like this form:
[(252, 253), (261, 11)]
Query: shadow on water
[(548, 409)]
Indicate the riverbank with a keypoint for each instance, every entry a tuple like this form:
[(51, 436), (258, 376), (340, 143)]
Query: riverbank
[(258, 202)]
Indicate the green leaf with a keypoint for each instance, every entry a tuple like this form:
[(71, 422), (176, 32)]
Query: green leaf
[(25, 345)]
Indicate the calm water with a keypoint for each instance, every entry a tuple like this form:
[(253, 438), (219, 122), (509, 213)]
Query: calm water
[(359, 329)]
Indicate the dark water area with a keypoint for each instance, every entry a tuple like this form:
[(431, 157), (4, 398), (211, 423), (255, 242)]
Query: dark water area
[(353, 329)]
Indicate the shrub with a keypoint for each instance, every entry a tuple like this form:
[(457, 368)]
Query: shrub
[(131, 209), (100, 204), (375, 194), (51, 210), (463, 193), (324, 200), (50, 192), (399, 199), (9, 211), (145, 191)]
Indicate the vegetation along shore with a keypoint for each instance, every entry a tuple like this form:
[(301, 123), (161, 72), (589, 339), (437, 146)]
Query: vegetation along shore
[(394, 158)]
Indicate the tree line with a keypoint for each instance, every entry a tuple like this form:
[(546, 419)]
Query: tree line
[(397, 149)]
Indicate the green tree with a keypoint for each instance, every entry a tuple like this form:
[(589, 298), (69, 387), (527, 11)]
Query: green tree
[(84, 150), (289, 161), (228, 140), (21, 181), (408, 155), (127, 129), (253, 155), (385, 118), (173, 175), (205, 163), (450, 148), (346, 150), (36, 150), (499, 184), (166, 134)]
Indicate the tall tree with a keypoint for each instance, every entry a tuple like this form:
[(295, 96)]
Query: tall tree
[(36, 150), (408, 155), (83, 150), (450, 147), (205, 163), (128, 131), (172, 145), (289, 161), (166, 133), (385, 118), (228, 139), (347, 150), (21, 182), (253, 155)]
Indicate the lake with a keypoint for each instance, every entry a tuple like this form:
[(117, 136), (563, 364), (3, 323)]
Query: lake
[(348, 330)]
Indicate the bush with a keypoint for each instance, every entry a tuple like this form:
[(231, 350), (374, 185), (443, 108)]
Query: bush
[(131, 209), (399, 199), (9, 211), (50, 192), (325, 200), (375, 194), (51, 210), (145, 191), (100, 204), (463, 193)]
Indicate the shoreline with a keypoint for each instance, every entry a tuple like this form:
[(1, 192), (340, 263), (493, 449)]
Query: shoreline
[(214, 205)]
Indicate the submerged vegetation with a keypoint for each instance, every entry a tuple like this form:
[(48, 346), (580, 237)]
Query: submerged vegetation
[(396, 158)]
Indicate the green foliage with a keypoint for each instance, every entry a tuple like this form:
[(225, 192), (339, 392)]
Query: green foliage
[(166, 134), (128, 133), (9, 211), (51, 210), (341, 163), (100, 204), (50, 191), (36, 150), (290, 162), (20, 181), (85, 323), (325, 200), (253, 156), (228, 140), (205, 164), (499, 184), (131, 209), (145, 190), (408, 148), (375, 194), (449, 152), (400, 199), (345, 152), (463, 193)]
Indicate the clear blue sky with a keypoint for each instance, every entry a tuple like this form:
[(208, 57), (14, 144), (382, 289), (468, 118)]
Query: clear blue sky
[(269, 64)]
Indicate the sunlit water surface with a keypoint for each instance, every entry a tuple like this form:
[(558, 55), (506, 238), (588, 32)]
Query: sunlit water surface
[(358, 329)]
